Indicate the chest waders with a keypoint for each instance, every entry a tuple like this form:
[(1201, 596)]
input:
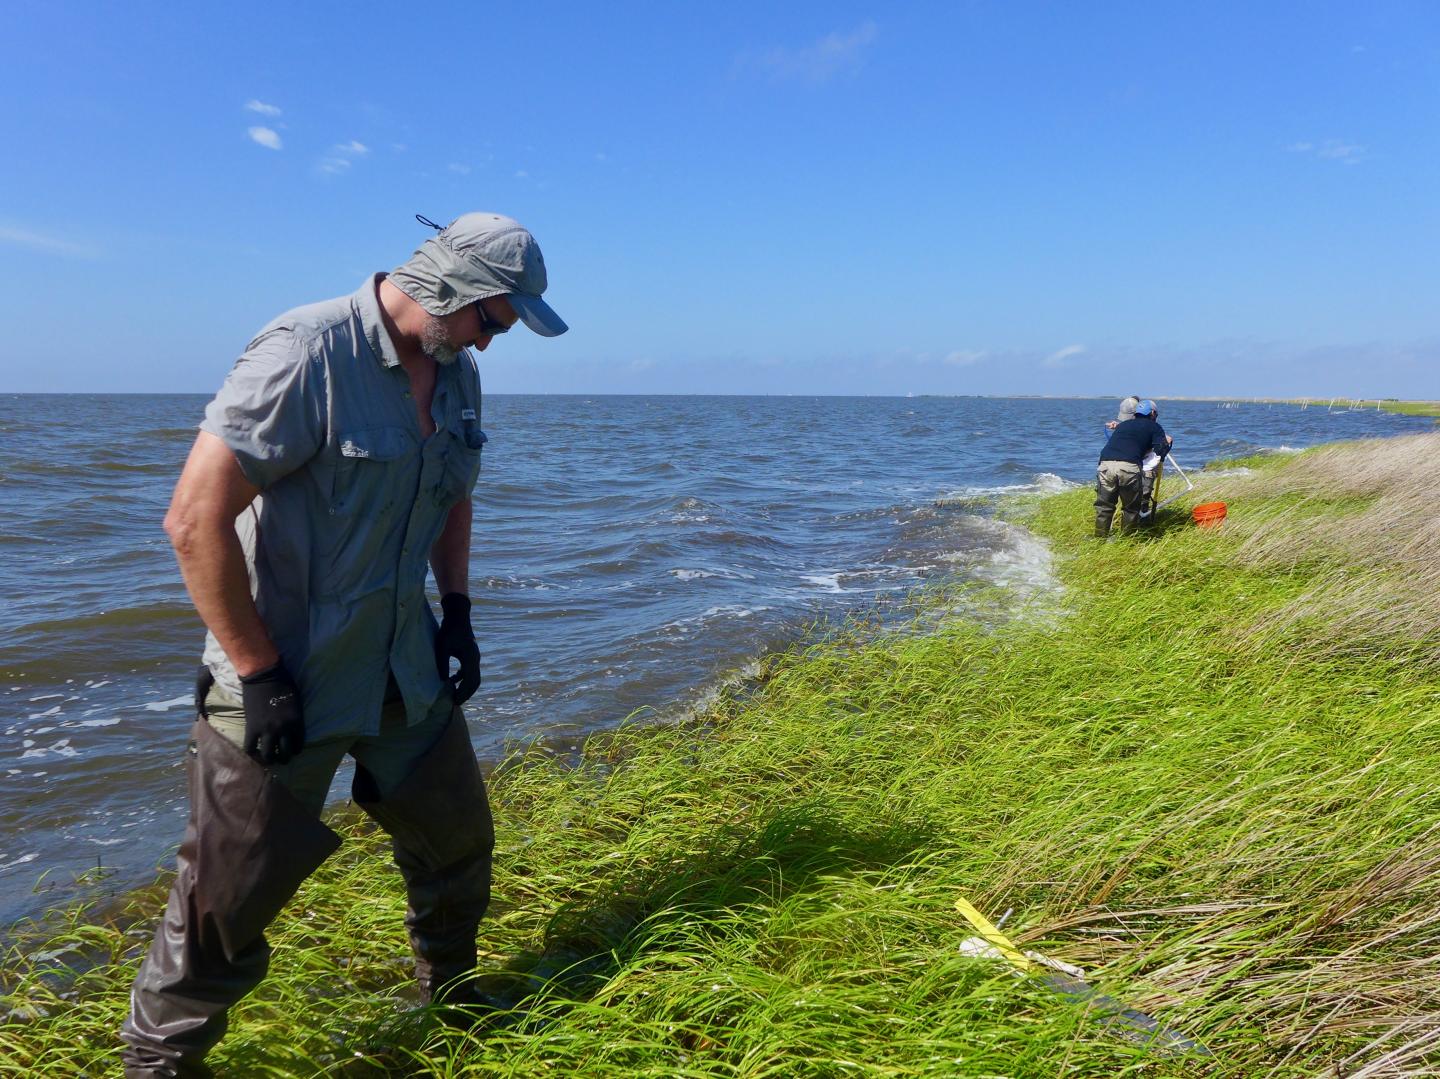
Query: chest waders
[(442, 838), (248, 846)]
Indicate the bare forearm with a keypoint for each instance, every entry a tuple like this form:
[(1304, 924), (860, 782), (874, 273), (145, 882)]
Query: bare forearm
[(211, 494), (450, 556), (213, 566)]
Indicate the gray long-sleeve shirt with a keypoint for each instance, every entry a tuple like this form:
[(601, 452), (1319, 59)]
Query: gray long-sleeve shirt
[(319, 414)]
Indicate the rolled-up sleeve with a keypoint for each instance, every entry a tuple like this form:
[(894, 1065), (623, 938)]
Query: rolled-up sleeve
[(271, 409)]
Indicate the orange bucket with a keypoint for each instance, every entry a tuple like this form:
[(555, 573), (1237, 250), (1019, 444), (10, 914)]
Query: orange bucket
[(1208, 514)]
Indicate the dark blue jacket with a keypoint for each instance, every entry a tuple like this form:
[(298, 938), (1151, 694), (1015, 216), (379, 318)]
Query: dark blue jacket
[(1133, 439)]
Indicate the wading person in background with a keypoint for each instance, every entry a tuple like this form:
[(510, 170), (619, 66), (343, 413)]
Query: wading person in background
[(1117, 478), (1126, 412), (336, 462), (1150, 468)]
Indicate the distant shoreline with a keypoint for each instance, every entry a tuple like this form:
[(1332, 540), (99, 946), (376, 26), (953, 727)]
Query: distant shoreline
[(1398, 405)]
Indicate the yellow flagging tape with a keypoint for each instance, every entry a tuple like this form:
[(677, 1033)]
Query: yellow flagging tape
[(998, 940)]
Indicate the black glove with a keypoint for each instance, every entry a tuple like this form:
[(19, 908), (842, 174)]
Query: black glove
[(274, 723), (204, 680), (456, 640)]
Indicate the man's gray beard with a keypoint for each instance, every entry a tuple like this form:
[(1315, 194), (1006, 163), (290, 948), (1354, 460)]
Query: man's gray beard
[(435, 342)]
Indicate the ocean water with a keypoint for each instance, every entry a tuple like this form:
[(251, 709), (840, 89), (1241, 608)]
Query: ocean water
[(630, 554)]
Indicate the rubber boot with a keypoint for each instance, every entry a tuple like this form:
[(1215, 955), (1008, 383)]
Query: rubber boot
[(248, 846), (442, 837)]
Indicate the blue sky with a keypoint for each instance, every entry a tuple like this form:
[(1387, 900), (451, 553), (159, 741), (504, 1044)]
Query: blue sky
[(1224, 198)]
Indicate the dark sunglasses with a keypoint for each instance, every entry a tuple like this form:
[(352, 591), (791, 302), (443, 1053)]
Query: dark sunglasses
[(488, 326)]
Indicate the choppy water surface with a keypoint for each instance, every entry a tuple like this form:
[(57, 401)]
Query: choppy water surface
[(628, 553)]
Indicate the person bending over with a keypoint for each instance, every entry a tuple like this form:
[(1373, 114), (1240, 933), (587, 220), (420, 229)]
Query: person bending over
[(333, 466), (1118, 474)]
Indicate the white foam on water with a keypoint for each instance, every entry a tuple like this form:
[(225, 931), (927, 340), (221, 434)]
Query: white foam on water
[(728, 610), (165, 706), (97, 685), (1023, 563), (1043, 483), (734, 610), (684, 574), (61, 748), (827, 582), (20, 860), (48, 712), (1017, 562), (45, 697), (97, 722)]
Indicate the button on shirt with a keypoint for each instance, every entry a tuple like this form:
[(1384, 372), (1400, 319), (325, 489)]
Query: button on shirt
[(318, 413)]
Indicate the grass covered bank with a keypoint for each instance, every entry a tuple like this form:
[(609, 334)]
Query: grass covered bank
[(1205, 774), (1413, 408)]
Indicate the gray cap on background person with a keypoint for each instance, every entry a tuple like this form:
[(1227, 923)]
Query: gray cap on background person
[(475, 257), (1127, 408)]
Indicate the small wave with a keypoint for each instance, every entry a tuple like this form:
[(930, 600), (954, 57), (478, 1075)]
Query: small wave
[(826, 582), (1045, 483), (702, 574), (710, 614), (62, 748), (165, 706)]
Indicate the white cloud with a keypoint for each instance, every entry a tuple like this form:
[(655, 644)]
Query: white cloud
[(49, 245), (1058, 357), (1347, 153), (463, 170), (262, 108), (964, 357), (341, 156), (521, 174), (265, 136), (834, 54)]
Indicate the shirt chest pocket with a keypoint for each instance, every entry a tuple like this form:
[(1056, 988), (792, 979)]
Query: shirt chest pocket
[(461, 466), (370, 467)]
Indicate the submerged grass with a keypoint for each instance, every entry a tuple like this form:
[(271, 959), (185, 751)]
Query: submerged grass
[(1205, 776)]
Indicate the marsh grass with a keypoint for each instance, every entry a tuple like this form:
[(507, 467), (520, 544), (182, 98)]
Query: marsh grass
[(1413, 408), (1202, 774)]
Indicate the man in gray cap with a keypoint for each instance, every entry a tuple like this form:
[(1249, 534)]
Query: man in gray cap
[(333, 466), (1118, 474)]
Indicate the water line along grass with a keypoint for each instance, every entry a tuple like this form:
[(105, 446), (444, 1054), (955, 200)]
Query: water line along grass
[(1204, 777)]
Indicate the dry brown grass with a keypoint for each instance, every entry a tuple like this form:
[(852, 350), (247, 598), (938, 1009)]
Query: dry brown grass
[(1373, 559)]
